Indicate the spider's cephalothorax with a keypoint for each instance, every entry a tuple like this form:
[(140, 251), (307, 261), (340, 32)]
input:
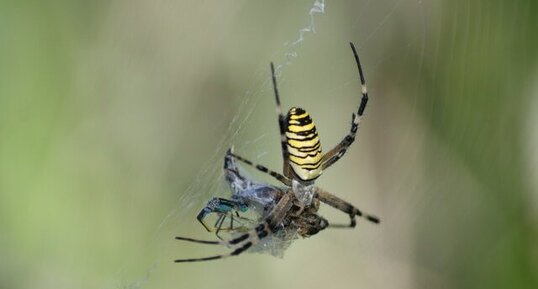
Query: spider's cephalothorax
[(303, 145), (292, 208)]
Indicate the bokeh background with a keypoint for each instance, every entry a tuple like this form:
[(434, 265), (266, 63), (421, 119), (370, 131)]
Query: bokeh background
[(115, 116)]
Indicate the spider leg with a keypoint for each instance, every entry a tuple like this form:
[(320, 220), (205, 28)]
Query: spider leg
[(252, 237), (286, 178), (231, 172), (263, 169), (286, 169), (339, 150), (345, 207), (240, 244), (199, 241)]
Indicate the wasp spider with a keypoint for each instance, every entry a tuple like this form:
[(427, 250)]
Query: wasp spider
[(291, 208)]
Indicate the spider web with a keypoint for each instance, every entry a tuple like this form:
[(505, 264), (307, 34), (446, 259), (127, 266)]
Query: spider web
[(209, 181)]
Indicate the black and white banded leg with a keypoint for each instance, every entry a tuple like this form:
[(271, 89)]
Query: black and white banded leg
[(262, 168), (345, 207), (239, 244), (286, 168), (337, 152)]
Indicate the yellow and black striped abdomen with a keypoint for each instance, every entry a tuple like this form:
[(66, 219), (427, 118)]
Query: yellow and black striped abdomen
[(303, 144)]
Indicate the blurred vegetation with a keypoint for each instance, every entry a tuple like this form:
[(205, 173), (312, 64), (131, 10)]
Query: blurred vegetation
[(487, 52), (110, 110), (485, 59)]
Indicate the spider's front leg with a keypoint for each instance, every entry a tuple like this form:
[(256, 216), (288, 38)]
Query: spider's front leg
[(345, 207), (337, 152)]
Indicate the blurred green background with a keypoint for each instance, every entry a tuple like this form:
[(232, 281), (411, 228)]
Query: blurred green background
[(115, 116)]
